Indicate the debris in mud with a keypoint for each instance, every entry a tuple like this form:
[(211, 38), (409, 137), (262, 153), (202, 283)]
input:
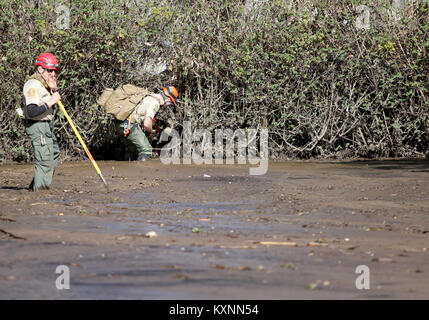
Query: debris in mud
[(237, 247), (243, 268), (373, 229), (38, 203), (151, 234), (415, 250), (11, 235), (279, 243), (173, 267), (317, 243), (180, 276), (312, 285), (315, 284), (7, 219), (232, 236), (290, 266), (382, 260), (119, 177), (103, 213), (352, 248)]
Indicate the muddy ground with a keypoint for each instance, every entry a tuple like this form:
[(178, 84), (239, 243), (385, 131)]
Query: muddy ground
[(297, 232)]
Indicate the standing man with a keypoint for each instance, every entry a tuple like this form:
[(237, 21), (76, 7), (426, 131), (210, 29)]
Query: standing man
[(143, 117), (40, 96)]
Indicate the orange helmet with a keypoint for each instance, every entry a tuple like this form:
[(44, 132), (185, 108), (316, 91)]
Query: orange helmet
[(171, 92), (47, 61)]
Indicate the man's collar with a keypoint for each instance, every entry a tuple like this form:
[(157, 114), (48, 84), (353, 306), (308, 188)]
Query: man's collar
[(37, 76)]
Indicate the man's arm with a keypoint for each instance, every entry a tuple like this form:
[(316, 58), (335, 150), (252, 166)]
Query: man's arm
[(147, 124), (34, 110)]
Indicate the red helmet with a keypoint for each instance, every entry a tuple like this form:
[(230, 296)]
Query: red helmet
[(47, 61), (171, 92)]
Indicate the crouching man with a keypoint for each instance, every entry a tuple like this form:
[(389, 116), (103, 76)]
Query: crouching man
[(134, 109)]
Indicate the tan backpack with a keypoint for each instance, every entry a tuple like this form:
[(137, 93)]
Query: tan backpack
[(122, 101)]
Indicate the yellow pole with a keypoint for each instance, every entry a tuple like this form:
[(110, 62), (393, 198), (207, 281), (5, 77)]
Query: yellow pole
[(82, 142)]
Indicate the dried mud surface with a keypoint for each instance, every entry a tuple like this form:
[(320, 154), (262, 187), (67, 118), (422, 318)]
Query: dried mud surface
[(297, 232)]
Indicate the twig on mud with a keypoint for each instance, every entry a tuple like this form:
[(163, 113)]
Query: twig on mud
[(12, 235), (7, 219)]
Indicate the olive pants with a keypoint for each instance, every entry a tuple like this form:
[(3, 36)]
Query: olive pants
[(136, 139), (46, 152)]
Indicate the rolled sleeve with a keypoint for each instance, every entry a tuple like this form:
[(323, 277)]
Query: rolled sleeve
[(147, 108)]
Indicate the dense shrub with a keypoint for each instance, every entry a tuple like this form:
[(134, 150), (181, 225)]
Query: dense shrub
[(302, 69)]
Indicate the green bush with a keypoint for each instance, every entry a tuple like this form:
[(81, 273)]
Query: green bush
[(321, 87)]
